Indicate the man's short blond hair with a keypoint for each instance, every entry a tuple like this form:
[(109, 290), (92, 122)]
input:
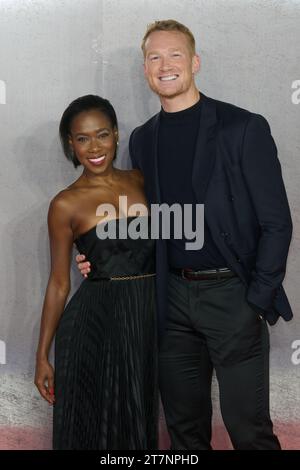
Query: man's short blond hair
[(170, 25)]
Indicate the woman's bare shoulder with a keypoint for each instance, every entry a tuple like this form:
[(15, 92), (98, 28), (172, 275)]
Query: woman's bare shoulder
[(64, 201), (137, 175)]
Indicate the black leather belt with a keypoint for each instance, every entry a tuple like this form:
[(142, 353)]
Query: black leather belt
[(208, 274)]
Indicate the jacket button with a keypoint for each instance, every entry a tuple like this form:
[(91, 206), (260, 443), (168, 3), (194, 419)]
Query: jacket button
[(238, 260), (231, 198), (224, 234)]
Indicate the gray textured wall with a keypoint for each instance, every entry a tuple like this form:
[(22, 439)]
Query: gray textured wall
[(52, 51)]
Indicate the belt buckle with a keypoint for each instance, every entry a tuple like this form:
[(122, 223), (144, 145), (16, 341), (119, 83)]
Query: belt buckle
[(183, 275)]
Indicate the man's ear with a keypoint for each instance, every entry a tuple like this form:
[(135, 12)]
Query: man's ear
[(145, 69), (196, 62)]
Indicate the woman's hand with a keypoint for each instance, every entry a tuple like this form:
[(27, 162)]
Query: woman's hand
[(83, 266), (44, 380)]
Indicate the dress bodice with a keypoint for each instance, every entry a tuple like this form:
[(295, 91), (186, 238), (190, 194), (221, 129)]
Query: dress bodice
[(118, 256)]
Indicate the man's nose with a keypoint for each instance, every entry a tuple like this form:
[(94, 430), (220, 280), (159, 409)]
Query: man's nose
[(165, 64)]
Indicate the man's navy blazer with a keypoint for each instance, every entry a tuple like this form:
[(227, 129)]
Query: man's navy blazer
[(237, 176)]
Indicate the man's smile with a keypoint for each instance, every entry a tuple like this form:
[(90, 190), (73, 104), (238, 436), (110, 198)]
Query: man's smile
[(167, 78)]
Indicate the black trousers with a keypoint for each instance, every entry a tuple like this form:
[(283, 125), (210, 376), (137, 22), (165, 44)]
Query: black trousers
[(210, 326)]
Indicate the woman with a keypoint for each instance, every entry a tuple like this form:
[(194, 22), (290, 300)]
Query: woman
[(104, 387)]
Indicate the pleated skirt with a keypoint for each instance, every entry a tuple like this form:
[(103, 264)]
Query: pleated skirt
[(106, 384)]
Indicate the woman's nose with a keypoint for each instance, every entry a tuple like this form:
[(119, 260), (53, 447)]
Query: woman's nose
[(93, 145)]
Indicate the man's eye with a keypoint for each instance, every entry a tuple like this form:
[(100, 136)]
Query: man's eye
[(155, 57)]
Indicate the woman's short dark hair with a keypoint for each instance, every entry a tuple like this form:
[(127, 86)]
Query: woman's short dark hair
[(84, 103)]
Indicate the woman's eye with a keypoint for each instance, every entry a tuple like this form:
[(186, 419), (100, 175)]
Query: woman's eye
[(82, 139), (103, 136)]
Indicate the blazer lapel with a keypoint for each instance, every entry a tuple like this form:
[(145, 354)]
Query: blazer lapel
[(205, 152)]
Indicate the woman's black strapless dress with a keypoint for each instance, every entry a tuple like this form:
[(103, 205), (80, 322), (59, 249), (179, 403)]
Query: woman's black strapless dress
[(106, 351)]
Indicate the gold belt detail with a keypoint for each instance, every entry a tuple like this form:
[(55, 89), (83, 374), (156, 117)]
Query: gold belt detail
[(126, 278)]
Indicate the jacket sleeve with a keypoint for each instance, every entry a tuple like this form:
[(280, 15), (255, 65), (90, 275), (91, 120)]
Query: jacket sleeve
[(262, 172), (132, 156)]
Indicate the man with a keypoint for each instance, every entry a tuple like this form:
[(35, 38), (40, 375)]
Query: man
[(213, 303)]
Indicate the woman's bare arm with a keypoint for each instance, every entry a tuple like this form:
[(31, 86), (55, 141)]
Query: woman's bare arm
[(61, 242)]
